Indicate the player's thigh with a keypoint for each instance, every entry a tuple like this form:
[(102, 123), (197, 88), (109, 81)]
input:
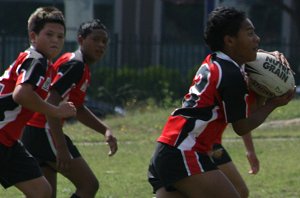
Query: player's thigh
[(38, 187), (210, 184), (162, 193), (231, 172), (79, 172), (51, 176)]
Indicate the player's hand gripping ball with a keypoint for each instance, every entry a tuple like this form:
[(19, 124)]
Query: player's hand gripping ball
[(268, 77)]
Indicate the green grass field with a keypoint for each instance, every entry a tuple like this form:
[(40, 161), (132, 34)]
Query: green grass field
[(124, 175)]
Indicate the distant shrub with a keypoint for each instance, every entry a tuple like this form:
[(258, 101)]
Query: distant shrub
[(127, 86)]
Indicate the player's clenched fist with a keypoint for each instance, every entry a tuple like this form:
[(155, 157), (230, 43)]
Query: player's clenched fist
[(66, 109)]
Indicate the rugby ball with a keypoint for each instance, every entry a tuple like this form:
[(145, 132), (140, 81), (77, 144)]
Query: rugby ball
[(268, 77)]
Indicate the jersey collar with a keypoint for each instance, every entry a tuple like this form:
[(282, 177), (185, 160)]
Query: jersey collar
[(225, 57)]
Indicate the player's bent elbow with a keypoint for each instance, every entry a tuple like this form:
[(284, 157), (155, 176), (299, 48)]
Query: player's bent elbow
[(240, 132), (18, 97), (240, 128), (22, 93)]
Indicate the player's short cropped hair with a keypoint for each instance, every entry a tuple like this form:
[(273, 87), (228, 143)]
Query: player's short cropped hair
[(87, 27), (221, 22), (43, 15)]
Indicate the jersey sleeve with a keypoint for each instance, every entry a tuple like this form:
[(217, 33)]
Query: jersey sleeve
[(234, 94), (67, 76), (32, 71)]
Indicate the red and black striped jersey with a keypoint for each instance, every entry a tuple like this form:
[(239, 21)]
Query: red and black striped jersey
[(30, 67), (218, 96), (71, 82)]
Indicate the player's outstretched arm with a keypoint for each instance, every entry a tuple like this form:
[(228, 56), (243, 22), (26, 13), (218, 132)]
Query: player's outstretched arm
[(250, 153), (86, 117)]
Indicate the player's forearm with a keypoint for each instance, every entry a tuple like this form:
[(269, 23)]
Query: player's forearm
[(86, 117), (25, 96), (246, 125), (248, 142)]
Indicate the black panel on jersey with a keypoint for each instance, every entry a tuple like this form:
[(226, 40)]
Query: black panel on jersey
[(203, 113), (72, 72), (192, 114), (233, 90), (187, 128), (7, 104), (34, 69)]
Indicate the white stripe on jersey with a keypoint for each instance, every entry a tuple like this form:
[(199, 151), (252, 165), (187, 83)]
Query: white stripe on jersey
[(51, 142), (220, 73), (200, 126), (10, 116), (225, 115), (186, 164)]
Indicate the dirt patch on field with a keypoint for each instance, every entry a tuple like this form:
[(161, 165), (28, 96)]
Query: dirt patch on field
[(281, 123)]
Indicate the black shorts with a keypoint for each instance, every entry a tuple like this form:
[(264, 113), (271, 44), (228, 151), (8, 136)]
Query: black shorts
[(17, 165), (39, 142), (220, 156), (169, 165)]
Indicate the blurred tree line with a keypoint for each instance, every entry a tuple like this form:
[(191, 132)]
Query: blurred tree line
[(181, 47)]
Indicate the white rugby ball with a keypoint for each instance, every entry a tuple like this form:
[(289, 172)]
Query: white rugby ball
[(268, 77)]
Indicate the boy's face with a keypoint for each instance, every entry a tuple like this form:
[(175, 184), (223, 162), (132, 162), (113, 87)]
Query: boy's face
[(245, 44), (94, 45), (50, 40)]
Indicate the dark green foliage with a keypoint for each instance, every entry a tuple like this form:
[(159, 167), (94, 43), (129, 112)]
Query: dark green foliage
[(128, 86)]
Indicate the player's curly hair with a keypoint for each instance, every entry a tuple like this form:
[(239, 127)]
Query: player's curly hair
[(87, 27), (43, 15), (221, 22)]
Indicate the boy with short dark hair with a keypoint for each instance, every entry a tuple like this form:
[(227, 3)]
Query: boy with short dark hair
[(181, 165), (54, 150), (23, 88)]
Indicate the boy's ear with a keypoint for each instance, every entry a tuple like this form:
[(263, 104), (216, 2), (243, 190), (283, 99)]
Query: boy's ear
[(80, 39), (32, 37), (228, 40)]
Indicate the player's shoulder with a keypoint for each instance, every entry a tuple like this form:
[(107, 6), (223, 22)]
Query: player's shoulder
[(69, 60), (226, 65), (223, 60), (75, 56), (30, 58), (216, 61), (33, 54), (215, 65), (72, 65), (30, 55)]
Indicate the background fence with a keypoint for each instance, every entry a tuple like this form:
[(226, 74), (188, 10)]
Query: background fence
[(161, 69), (132, 52)]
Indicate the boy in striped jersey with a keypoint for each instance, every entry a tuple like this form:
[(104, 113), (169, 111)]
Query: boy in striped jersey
[(55, 151), (23, 88), (181, 165)]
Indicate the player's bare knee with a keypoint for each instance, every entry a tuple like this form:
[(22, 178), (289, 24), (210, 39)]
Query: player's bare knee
[(95, 185), (244, 192), (41, 192), (90, 188)]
